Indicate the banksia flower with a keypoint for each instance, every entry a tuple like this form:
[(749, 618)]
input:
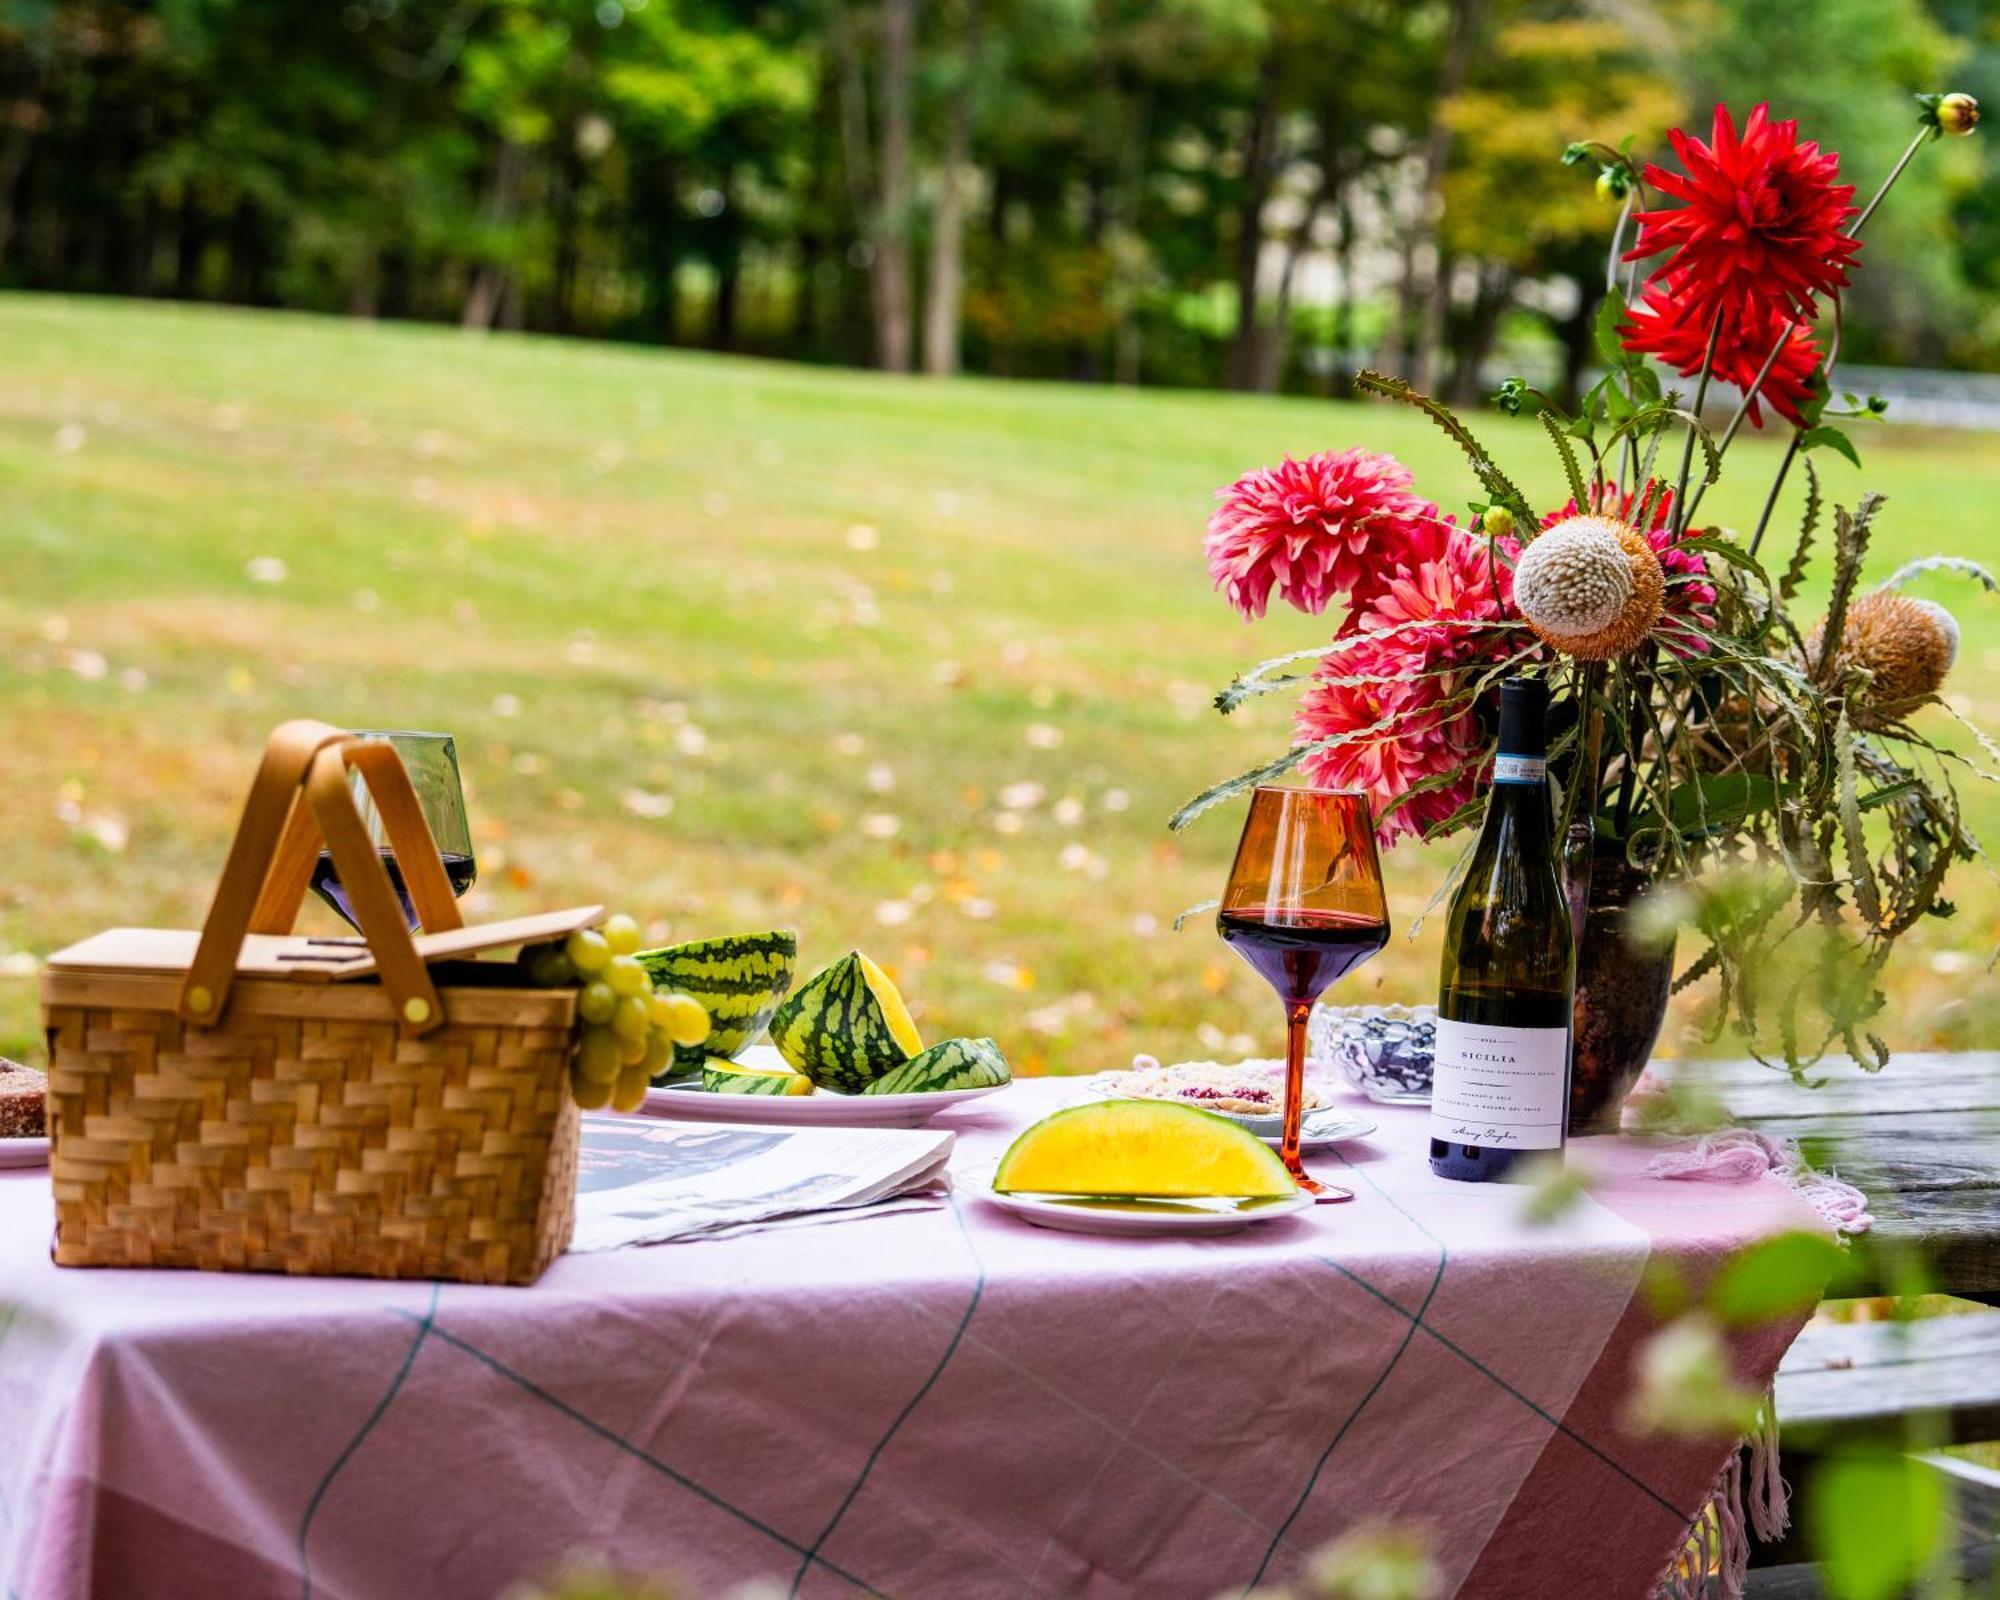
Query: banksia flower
[(1905, 645), (1590, 587)]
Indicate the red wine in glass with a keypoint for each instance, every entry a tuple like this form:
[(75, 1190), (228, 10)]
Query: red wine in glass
[(1304, 907), (459, 871), (431, 760), (1301, 953)]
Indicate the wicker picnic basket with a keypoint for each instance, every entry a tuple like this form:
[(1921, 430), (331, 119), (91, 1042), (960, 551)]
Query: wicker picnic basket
[(245, 1100)]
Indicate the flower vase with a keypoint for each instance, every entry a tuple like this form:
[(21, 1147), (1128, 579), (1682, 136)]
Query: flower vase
[(1622, 987)]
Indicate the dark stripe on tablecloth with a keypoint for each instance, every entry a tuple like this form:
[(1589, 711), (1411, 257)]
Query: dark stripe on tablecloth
[(903, 1416), (340, 1461)]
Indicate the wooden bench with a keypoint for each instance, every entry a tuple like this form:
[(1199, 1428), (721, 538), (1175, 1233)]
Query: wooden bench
[(1922, 1140), (1876, 1374)]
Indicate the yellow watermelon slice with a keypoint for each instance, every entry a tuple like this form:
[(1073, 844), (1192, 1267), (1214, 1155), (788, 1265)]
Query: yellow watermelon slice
[(1152, 1148)]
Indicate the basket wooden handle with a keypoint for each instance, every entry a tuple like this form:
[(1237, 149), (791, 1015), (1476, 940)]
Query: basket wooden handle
[(299, 796), (410, 840)]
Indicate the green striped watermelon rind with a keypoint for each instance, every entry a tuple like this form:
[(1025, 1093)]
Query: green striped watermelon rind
[(948, 1064), (832, 1031), (721, 1080), (740, 979)]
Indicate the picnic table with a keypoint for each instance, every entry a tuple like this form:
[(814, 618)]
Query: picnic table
[(1921, 1139), (938, 1402)]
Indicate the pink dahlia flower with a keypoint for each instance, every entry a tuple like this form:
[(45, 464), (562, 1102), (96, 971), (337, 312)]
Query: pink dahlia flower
[(1412, 737), (1419, 741), (1450, 579), (1328, 525)]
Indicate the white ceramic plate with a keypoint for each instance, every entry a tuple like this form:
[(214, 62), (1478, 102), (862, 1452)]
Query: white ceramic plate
[(24, 1152), (1129, 1219), (1319, 1130), (692, 1103)]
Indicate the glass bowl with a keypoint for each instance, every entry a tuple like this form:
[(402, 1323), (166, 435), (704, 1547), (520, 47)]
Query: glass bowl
[(1384, 1051)]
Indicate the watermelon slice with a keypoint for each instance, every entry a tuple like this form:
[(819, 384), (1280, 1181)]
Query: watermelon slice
[(739, 978), (1153, 1148), (846, 1027), (952, 1064), (732, 1079)]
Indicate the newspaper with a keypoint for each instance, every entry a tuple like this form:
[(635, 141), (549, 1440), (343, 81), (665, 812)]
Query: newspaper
[(644, 1182)]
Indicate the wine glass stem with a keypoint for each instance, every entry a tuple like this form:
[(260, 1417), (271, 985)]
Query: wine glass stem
[(1296, 1017)]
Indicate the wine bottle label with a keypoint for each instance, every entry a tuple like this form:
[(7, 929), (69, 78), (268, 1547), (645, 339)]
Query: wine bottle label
[(1500, 1088), (1519, 769)]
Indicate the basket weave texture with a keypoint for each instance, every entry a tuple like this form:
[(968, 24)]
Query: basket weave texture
[(303, 1135), (206, 1113)]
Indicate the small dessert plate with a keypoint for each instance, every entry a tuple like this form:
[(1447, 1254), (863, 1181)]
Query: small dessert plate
[(1317, 1130), (1134, 1216), (24, 1152)]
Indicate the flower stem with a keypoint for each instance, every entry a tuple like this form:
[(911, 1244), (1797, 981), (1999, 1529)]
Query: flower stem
[(1833, 345), (1694, 424), (1777, 483), (1617, 242), (1736, 421), (1888, 183)]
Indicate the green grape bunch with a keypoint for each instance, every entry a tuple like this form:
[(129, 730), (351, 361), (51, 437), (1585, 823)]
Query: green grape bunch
[(629, 1031)]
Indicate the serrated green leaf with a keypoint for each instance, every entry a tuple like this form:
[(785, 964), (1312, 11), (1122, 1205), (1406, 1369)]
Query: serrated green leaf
[(1567, 451), (1956, 564), (1195, 911), (1860, 868), (1795, 572), (1491, 478), (1717, 802)]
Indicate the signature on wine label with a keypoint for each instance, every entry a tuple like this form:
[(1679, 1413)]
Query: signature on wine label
[(1468, 1133)]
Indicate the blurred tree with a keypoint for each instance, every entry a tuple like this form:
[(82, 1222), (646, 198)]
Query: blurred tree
[(1177, 191), (1544, 82)]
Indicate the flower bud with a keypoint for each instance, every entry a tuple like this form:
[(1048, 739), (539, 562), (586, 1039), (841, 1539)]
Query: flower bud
[(1497, 522), (1958, 113)]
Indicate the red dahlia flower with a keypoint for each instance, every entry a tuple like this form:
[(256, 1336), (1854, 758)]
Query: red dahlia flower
[(1673, 327), (1762, 220), (1331, 524)]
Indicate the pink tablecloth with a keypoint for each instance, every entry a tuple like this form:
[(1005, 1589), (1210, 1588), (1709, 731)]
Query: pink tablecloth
[(939, 1404)]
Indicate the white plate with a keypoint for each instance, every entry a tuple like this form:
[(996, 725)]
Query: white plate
[(18, 1152), (690, 1102), (1327, 1126), (1134, 1219), (1317, 1131)]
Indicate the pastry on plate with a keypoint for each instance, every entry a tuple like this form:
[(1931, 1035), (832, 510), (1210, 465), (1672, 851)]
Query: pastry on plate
[(23, 1102)]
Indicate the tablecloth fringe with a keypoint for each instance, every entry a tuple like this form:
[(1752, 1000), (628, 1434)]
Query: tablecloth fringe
[(1736, 1155), (1749, 1495)]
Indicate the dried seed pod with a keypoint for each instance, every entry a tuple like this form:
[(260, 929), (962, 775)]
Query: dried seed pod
[(1590, 587), (1906, 646)]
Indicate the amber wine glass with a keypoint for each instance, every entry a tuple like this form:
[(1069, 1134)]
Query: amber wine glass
[(1304, 907)]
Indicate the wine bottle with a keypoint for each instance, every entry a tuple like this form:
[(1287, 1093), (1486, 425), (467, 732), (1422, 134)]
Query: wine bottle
[(1500, 1085)]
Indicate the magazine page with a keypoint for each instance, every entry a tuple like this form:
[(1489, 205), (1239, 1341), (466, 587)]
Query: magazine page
[(641, 1181)]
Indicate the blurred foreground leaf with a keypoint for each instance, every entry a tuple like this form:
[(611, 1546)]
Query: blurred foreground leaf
[(1873, 1517), (1775, 1278)]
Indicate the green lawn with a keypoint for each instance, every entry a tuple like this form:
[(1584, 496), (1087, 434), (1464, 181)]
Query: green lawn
[(912, 666)]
